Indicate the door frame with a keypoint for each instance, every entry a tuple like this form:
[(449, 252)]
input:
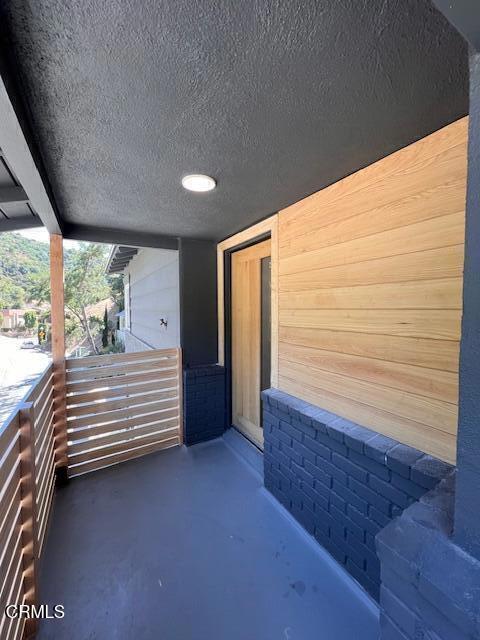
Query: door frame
[(264, 230)]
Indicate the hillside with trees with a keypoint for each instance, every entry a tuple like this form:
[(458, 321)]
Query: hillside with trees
[(21, 261), (91, 296)]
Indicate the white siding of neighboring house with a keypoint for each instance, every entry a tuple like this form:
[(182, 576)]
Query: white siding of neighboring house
[(152, 286), (11, 318)]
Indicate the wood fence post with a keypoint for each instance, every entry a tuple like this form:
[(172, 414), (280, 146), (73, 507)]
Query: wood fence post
[(180, 394), (29, 510), (58, 355)]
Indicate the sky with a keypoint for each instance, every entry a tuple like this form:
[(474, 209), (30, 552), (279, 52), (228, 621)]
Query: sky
[(41, 235)]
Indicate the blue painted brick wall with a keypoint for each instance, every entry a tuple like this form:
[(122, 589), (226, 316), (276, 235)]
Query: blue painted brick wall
[(430, 586), (342, 482), (203, 403)]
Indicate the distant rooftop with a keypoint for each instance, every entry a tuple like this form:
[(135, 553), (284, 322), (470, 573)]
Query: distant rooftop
[(119, 257)]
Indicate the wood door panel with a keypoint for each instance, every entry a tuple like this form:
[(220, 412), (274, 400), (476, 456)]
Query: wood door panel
[(246, 339)]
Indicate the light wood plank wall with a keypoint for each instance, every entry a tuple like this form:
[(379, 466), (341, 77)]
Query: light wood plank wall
[(370, 293)]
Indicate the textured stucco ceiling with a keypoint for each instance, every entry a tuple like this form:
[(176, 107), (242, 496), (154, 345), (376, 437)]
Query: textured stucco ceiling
[(273, 98)]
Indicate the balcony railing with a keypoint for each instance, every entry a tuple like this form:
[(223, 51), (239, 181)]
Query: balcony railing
[(119, 407), (122, 406), (27, 480)]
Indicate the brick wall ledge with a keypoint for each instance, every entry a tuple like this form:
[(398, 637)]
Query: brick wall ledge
[(342, 482), (201, 370), (430, 586), (408, 462)]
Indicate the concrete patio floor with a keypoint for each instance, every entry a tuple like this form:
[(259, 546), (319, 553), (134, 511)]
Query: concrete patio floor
[(186, 544)]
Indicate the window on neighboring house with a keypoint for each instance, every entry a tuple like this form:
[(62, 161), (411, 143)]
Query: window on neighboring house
[(127, 304)]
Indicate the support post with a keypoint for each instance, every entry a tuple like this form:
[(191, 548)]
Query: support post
[(180, 393), (29, 511), (58, 354), (198, 302), (204, 381), (467, 498)]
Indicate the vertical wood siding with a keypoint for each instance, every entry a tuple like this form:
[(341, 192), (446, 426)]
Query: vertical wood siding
[(370, 293)]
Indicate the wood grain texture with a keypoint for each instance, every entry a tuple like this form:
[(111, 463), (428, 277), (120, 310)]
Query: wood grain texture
[(118, 419), (107, 444), (41, 388), (9, 463), (44, 445), (246, 339), (8, 433), (431, 164), (119, 409), (181, 427), (445, 262), (83, 440), (432, 383), (57, 305), (123, 381), (431, 324), (274, 303), (415, 434), (12, 547), (13, 589), (438, 354), (120, 358), (422, 409), (116, 458), (45, 515), (132, 391), (370, 275), (262, 228), (9, 508), (29, 508), (44, 426), (121, 403), (11, 523), (166, 421), (98, 373), (27, 474), (46, 481), (443, 231), (221, 305), (423, 294)]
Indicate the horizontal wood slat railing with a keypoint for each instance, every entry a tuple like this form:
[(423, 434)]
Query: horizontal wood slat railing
[(27, 481), (118, 407), (12, 589), (42, 416), (122, 406)]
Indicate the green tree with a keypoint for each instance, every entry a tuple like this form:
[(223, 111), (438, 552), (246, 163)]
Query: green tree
[(105, 329), (117, 290), (21, 261), (39, 288), (30, 319), (11, 295), (86, 283), (17, 297)]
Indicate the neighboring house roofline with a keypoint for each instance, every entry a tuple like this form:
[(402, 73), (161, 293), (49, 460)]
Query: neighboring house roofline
[(119, 258)]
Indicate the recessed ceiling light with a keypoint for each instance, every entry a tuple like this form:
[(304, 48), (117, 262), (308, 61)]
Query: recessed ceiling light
[(198, 182)]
